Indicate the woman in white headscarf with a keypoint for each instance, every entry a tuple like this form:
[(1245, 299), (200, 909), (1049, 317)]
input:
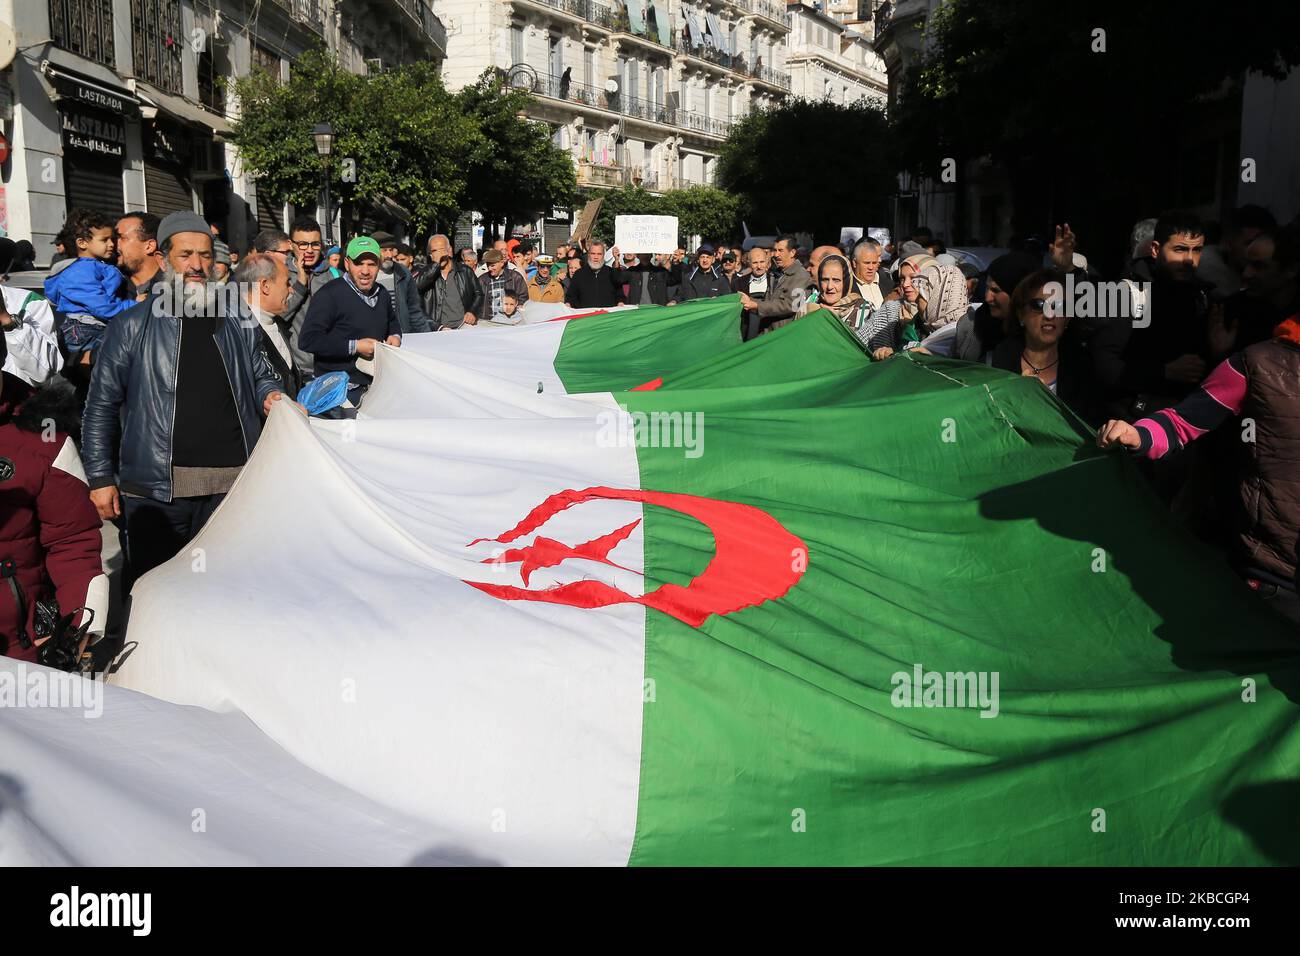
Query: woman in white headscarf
[(943, 287), (894, 326)]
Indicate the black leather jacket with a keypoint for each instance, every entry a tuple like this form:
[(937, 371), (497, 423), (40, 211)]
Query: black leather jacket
[(134, 383), (467, 292)]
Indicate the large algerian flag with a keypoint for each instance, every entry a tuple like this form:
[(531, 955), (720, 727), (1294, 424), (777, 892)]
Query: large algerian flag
[(591, 351), (715, 622)]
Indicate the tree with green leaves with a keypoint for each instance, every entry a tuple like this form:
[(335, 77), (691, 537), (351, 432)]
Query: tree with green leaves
[(1101, 113), (515, 173), (700, 210), (398, 133), (706, 211), (810, 165), (625, 201)]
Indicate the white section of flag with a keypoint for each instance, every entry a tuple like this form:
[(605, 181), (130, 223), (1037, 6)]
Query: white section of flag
[(522, 354), (149, 783), (326, 600), (447, 389), (536, 312)]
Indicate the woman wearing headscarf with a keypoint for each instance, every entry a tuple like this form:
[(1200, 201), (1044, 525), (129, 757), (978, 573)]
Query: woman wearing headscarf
[(834, 292), (943, 287), (1040, 346), (894, 326)]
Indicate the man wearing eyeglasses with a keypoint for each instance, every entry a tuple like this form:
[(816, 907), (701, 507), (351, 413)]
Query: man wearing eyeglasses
[(303, 254)]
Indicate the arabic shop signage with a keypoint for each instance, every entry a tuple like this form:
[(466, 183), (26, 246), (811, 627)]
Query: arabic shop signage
[(93, 131)]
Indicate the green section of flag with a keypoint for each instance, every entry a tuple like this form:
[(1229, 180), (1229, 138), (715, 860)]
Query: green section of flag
[(814, 352), (956, 518), (621, 350)]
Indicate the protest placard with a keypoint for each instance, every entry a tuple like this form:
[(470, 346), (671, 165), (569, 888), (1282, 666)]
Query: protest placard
[(645, 233)]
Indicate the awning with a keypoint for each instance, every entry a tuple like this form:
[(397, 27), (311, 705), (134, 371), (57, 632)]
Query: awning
[(182, 109), (719, 38), (662, 22), (636, 15), (388, 206), (73, 88)]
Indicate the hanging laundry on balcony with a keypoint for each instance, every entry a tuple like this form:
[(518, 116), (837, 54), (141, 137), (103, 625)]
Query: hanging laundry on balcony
[(636, 16), (662, 23), (693, 27), (719, 35)]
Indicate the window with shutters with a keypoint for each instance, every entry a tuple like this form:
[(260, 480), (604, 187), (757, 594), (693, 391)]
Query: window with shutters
[(156, 42), (264, 59), (84, 27), (556, 63), (517, 43)]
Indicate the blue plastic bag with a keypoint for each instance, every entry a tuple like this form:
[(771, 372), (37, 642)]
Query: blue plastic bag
[(321, 394)]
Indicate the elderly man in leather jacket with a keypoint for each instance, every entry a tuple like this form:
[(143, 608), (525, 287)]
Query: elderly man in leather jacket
[(452, 293), (176, 403)]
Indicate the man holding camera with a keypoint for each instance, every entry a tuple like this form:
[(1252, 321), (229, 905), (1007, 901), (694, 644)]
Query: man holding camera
[(452, 293)]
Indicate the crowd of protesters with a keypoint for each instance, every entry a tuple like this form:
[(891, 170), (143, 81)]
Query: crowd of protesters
[(1194, 368)]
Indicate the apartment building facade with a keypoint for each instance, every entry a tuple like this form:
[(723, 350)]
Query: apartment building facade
[(830, 54), (121, 104), (643, 92)]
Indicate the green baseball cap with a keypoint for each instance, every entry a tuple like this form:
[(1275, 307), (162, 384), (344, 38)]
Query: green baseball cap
[(362, 245)]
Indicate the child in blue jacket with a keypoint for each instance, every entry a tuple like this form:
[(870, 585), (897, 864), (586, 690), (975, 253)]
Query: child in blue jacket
[(87, 291)]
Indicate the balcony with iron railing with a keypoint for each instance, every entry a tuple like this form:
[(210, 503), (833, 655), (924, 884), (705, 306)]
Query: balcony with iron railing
[(615, 175), (771, 11), (308, 13), (711, 54), (422, 15), (623, 24), (894, 13), (594, 14), (554, 87), (768, 75)]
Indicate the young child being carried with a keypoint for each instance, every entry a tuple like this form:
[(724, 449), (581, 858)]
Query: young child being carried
[(87, 291)]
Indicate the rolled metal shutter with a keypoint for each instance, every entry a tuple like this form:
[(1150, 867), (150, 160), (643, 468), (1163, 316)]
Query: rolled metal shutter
[(268, 211), (93, 182), (166, 189)]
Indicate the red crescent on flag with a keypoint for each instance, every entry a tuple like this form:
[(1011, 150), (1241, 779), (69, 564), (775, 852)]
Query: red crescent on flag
[(755, 560)]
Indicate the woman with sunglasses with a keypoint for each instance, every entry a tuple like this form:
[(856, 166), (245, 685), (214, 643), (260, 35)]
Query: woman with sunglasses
[(1040, 347)]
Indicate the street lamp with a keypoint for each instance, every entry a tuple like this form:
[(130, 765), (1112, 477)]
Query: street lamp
[(324, 137)]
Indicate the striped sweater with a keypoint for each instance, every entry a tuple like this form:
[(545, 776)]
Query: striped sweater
[(1219, 398)]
